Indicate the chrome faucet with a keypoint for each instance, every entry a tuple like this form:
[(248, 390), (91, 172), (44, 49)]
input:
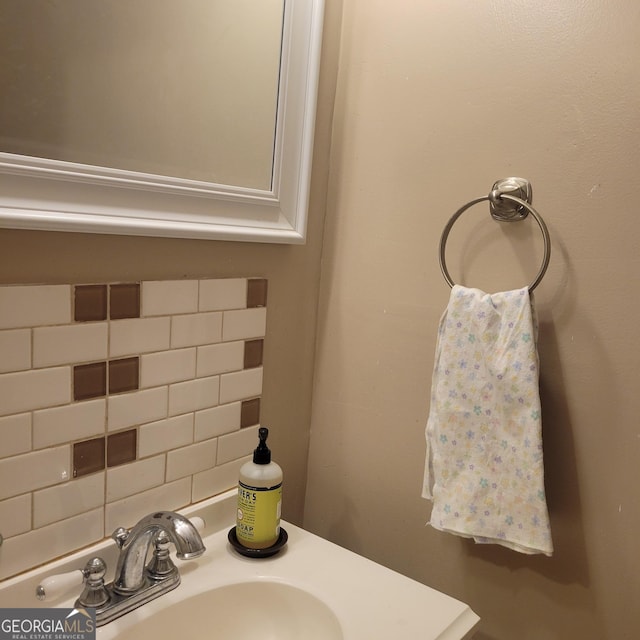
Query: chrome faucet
[(135, 582), (130, 575)]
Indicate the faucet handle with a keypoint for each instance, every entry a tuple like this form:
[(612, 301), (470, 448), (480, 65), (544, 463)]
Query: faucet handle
[(54, 586), (120, 536), (198, 523), (95, 594), (161, 566)]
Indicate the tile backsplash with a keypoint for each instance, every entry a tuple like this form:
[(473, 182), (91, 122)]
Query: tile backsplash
[(120, 398)]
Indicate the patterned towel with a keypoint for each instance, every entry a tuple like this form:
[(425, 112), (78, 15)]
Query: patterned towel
[(484, 469)]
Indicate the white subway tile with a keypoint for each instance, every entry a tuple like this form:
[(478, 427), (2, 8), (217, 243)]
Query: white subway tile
[(166, 367), (30, 390), (236, 445), (226, 293), (41, 545), (165, 435), (196, 329), (82, 342), (68, 499), (192, 459), (243, 324), (240, 385), (190, 339), (36, 470), (77, 421), (193, 395), (15, 516), (139, 335), (168, 497), (169, 297), (15, 435), (220, 358), (15, 350), (214, 481), (32, 306), (129, 479), (136, 408), (211, 423)]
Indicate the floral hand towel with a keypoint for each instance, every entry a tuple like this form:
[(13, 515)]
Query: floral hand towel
[(484, 468)]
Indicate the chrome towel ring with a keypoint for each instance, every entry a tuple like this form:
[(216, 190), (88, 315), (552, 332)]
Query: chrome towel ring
[(510, 201)]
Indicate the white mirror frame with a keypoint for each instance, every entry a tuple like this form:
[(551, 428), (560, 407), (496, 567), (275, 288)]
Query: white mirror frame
[(46, 194)]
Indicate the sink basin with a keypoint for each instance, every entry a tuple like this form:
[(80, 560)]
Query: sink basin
[(258, 610)]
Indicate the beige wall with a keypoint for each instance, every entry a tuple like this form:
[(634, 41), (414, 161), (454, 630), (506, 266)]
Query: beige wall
[(435, 101)]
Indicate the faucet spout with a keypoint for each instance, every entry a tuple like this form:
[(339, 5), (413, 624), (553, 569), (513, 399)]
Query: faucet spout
[(134, 547)]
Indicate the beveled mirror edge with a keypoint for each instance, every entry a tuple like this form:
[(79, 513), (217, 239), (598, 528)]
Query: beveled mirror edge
[(49, 195)]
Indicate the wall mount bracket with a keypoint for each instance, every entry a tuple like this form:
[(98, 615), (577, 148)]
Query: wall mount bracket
[(506, 210)]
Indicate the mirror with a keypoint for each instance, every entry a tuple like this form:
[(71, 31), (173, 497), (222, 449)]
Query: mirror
[(186, 89), (184, 118)]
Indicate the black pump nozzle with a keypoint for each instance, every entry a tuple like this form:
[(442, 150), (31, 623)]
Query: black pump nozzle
[(262, 454)]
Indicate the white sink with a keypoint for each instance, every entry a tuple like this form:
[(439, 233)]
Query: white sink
[(244, 611), (311, 589)]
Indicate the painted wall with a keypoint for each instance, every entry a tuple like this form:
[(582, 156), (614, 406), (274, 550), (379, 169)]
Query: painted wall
[(435, 101)]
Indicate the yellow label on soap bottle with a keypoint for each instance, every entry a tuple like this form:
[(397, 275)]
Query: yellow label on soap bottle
[(258, 517)]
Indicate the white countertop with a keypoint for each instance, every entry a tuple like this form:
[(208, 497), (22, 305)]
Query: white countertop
[(370, 601)]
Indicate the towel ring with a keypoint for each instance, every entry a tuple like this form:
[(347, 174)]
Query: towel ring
[(520, 211)]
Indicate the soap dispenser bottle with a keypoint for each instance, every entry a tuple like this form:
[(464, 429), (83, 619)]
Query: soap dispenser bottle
[(259, 498)]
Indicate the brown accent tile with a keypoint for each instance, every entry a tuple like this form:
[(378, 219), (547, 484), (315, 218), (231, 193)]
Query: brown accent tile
[(121, 447), (124, 375), (249, 413), (88, 457), (256, 293), (253, 350), (124, 301), (90, 302), (89, 380)]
